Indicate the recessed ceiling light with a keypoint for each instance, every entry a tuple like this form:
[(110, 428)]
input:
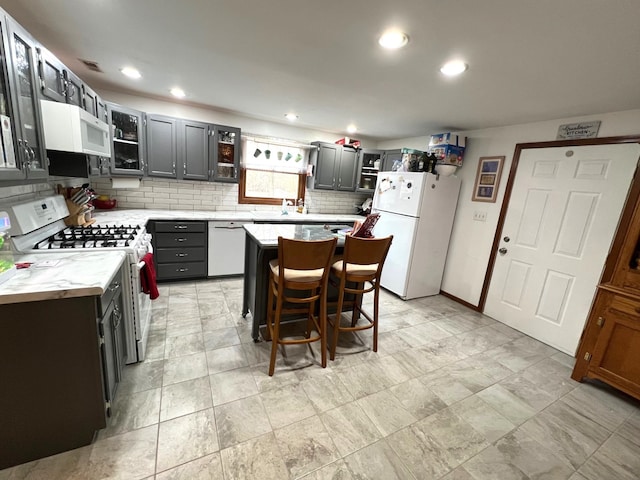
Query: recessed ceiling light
[(453, 68), (393, 40), (131, 72), (178, 92), (292, 117), (352, 128)]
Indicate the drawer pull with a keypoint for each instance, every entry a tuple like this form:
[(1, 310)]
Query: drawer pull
[(181, 239), (181, 254), (182, 270), (180, 227)]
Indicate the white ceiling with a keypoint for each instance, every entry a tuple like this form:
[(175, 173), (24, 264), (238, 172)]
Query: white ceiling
[(529, 60)]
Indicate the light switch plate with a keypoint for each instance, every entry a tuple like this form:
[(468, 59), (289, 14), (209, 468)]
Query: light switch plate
[(480, 216)]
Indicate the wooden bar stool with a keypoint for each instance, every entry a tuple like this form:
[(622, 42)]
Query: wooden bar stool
[(301, 266), (358, 272)]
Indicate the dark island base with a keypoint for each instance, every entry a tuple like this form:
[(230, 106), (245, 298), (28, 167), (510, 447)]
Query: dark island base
[(51, 378)]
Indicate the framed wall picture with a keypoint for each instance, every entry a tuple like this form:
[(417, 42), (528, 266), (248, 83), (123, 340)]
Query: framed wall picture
[(487, 179)]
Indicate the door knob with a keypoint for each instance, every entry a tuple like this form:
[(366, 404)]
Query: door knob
[(502, 251), (506, 239)]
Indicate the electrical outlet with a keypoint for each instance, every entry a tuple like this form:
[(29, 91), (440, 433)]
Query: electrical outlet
[(480, 216)]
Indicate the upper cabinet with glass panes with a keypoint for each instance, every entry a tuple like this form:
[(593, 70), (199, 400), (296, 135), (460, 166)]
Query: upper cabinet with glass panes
[(22, 145), (225, 151)]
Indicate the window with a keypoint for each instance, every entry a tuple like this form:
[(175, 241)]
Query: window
[(272, 171), (270, 187)]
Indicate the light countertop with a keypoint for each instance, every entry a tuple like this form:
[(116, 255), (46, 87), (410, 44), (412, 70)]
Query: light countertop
[(266, 234), (142, 216), (61, 275)]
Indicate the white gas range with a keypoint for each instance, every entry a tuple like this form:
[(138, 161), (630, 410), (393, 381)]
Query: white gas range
[(37, 227)]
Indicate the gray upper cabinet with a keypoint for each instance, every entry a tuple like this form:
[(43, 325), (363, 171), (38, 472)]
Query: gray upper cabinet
[(369, 164), (51, 73), (325, 158), (90, 101), (27, 137), (346, 171), (161, 146), (390, 157), (128, 140), (335, 167), (59, 84), (224, 151), (74, 89), (194, 150)]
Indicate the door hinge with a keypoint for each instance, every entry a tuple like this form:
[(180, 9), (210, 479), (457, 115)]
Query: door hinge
[(600, 321), (587, 356), (101, 340)]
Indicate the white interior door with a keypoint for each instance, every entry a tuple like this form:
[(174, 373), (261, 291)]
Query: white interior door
[(564, 209)]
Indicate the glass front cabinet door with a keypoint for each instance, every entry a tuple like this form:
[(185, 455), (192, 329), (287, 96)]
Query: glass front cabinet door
[(22, 136), (225, 151), (127, 136)]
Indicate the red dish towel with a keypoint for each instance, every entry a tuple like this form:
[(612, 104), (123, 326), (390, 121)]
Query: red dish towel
[(148, 277)]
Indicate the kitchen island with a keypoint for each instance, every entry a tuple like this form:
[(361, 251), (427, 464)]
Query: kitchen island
[(53, 349), (261, 246)]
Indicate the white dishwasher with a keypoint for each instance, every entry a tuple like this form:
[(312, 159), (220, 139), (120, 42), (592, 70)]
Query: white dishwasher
[(226, 248)]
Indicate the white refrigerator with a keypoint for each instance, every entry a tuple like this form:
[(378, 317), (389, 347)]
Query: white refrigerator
[(417, 209)]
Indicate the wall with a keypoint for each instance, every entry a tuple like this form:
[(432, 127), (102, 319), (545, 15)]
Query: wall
[(471, 241), (170, 194), (193, 195)]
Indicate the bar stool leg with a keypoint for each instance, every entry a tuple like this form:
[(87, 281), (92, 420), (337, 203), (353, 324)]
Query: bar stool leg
[(336, 322), (376, 296), (323, 326), (275, 336)]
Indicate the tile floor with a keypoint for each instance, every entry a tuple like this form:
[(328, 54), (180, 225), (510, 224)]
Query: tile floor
[(451, 394)]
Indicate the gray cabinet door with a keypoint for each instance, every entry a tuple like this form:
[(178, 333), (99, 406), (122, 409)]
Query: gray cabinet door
[(370, 162), (390, 157), (327, 159), (128, 140), (346, 171), (161, 146), (28, 132), (90, 101), (224, 151), (194, 150), (11, 158), (74, 89), (51, 73)]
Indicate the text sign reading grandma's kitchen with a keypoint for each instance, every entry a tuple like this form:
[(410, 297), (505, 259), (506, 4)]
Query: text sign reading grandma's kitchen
[(578, 130)]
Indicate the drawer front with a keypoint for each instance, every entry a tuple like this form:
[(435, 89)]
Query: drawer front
[(168, 271), (180, 240), (625, 305), (180, 226), (180, 255)]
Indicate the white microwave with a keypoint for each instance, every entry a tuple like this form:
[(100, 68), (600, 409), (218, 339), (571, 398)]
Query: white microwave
[(68, 128)]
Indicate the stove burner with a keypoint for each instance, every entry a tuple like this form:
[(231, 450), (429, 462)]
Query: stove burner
[(105, 236)]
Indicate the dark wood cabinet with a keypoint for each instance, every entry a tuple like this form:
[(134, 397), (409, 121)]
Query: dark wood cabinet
[(609, 349), (180, 249)]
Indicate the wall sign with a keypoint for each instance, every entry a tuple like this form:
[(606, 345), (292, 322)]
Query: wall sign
[(570, 131), (487, 179)]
